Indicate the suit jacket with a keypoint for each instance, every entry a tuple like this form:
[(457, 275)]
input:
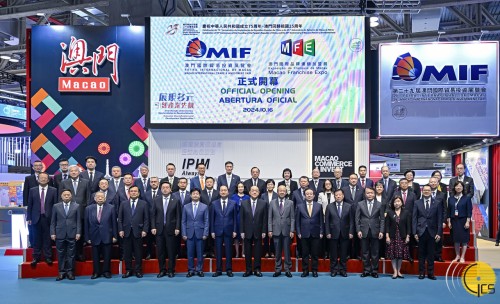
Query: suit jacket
[(375, 223), (65, 226), (317, 189), (100, 232), (404, 223), (253, 225), (112, 186), (444, 189), (441, 198), (281, 222), (34, 203), (111, 198), (343, 183), (187, 197), (172, 218), (204, 197), (464, 207), (261, 184), (194, 182), (139, 182), (222, 181), (29, 182), (58, 179), (391, 187), (136, 223), (309, 226), (223, 223), (339, 226), (148, 197), (267, 199), (468, 183), (359, 195), (411, 198), (293, 186), (195, 225), (368, 183), (174, 185), (297, 198), (430, 220), (82, 196), (416, 189), (94, 185)]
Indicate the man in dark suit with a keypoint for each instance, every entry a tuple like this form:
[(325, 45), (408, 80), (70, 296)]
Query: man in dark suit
[(363, 181), (149, 197), (133, 224), (427, 229), (309, 221), (31, 181), (41, 199), (255, 181), (171, 178), (116, 181), (339, 229), (467, 180), (440, 198), (63, 168), (290, 185), (229, 179), (80, 192), (101, 233), (182, 195), (409, 199), (338, 182), (65, 230), (281, 225), (111, 197), (128, 182), (268, 196), (91, 174), (415, 187), (223, 228), (166, 216), (315, 183), (389, 184), (198, 181), (299, 198), (370, 229), (195, 228), (353, 194), (143, 181), (208, 196), (253, 225)]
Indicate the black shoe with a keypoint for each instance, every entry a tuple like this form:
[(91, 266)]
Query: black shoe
[(94, 276), (315, 274), (344, 274), (161, 274), (394, 277), (70, 276), (304, 274), (170, 274), (216, 274), (60, 277), (364, 274), (288, 274), (189, 274), (34, 262), (431, 277), (230, 274), (276, 274), (375, 275), (148, 257), (139, 275), (201, 274), (107, 275), (49, 262), (421, 276), (126, 274), (247, 274), (400, 276), (258, 274), (333, 274), (496, 244), (411, 260)]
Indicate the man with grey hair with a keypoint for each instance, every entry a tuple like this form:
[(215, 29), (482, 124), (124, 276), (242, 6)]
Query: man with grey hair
[(338, 182), (142, 181), (390, 185)]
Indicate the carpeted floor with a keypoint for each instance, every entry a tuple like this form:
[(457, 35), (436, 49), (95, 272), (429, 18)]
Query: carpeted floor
[(180, 289)]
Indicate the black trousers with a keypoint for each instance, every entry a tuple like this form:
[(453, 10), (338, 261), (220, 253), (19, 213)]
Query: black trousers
[(311, 246), (209, 245), (80, 242), (338, 249), (370, 253), (426, 248), (438, 250), (132, 244), (65, 255), (150, 240), (268, 245), (166, 247), (227, 241), (257, 253), (105, 250), (41, 237), (355, 248)]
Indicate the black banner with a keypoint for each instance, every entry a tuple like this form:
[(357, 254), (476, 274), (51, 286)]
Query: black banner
[(331, 149)]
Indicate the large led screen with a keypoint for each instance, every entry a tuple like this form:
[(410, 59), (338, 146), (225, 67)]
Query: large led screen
[(258, 70)]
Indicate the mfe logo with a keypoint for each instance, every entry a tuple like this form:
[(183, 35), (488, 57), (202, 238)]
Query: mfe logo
[(197, 48), (299, 47), (409, 68)]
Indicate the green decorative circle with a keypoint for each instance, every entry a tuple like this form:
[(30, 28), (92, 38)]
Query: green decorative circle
[(136, 148)]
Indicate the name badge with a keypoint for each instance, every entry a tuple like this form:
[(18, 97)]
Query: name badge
[(456, 212)]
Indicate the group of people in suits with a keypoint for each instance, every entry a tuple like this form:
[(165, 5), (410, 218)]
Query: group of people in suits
[(344, 218)]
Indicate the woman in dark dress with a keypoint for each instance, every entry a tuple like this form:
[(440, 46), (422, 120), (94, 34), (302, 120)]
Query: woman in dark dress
[(459, 215), (239, 197), (397, 235), (380, 196)]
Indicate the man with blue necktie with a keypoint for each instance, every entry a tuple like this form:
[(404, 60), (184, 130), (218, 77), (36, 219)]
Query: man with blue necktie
[(389, 184)]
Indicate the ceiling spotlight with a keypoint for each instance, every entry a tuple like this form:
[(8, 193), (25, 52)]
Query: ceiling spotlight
[(439, 34), (127, 16), (443, 153), (399, 34), (482, 33)]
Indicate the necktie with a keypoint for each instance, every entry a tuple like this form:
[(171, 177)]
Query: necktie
[(182, 197), (303, 196), (385, 185), (195, 208), (253, 208), (75, 185), (116, 185), (91, 175), (370, 208), (426, 205), (254, 182), (353, 192), (209, 196), (36, 175), (404, 197), (316, 184), (309, 209), (433, 194), (65, 176), (338, 209), (145, 182), (228, 180), (165, 202), (363, 182), (66, 207), (202, 183), (126, 191), (133, 207), (223, 206), (154, 193), (42, 201), (281, 205), (171, 181), (99, 214), (338, 184)]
